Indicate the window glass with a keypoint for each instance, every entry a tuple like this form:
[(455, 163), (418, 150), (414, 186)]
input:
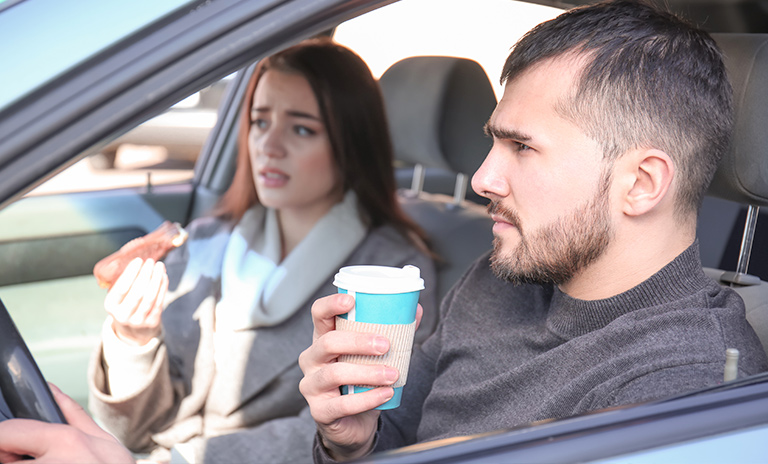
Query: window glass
[(26, 29), (483, 30), (162, 150)]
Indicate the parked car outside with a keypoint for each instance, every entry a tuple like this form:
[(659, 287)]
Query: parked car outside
[(177, 134)]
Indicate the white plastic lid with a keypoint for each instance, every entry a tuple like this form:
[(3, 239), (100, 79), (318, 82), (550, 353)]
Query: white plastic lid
[(379, 279)]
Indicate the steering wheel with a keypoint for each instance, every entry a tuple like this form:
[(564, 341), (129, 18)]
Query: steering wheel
[(24, 392)]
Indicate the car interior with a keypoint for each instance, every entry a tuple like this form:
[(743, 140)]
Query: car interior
[(735, 180), (451, 96), (437, 106)]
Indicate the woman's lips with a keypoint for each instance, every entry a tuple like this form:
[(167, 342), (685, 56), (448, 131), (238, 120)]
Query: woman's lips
[(273, 178)]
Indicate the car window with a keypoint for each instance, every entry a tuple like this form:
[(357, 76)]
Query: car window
[(162, 150), (80, 36), (483, 30)]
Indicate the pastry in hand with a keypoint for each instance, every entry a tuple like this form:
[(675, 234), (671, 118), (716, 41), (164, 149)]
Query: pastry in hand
[(155, 245)]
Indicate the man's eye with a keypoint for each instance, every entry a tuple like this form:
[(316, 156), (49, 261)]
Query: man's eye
[(303, 130), (521, 147)]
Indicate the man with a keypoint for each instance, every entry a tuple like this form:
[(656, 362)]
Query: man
[(611, 124)]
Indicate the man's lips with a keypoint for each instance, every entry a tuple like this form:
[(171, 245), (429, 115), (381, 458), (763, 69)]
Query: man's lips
[(501, 225), (502, 220)]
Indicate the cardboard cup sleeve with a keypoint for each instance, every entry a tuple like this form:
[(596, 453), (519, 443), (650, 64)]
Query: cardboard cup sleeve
[(400, 338)]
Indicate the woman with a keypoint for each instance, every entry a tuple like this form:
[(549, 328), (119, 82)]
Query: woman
[(313, 191)]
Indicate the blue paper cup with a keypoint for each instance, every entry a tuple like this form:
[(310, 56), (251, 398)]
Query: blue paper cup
[(385, 303)]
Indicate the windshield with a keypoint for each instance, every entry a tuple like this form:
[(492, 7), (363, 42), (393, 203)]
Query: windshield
[(26, 29)]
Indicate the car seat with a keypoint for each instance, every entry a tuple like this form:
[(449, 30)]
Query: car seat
[(742, 175), (437, 107)]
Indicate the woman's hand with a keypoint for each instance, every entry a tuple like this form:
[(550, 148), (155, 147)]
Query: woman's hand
[(135, 302), (79, 442)]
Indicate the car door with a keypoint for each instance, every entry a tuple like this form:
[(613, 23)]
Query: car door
[(49, 241)]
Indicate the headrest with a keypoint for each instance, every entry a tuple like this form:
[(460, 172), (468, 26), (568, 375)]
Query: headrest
[(742, 175), (437, 107)]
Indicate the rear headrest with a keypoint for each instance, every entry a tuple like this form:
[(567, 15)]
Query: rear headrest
[(437, 107), (742, 175)]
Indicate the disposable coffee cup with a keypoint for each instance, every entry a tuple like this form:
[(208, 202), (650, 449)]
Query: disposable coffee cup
[(385, 303)]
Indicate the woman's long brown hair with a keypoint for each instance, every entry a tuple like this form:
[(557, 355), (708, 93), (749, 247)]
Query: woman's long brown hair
[(352, 109)]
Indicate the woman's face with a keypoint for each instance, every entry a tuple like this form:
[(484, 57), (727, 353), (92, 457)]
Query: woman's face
[(291, 156)]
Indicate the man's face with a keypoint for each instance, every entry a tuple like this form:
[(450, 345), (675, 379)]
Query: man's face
[(548, 184)]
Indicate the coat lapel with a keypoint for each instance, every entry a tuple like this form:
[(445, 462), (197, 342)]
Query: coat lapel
[(256, 357)]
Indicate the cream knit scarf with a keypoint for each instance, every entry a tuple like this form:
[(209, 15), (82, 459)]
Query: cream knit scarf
[(260, 291)]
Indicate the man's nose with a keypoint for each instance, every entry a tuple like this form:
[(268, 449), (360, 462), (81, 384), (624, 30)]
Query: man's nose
[(490, 179)]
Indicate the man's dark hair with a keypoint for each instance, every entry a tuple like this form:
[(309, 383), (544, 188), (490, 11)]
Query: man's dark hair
[(650, 80)]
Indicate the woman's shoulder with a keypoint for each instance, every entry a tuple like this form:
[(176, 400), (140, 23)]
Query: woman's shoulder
[(387, 236), (208, 226), (386, 243)]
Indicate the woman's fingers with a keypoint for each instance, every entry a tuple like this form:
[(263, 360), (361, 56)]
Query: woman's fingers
[(154, 317), (136, 301), (133, 297), (150, 296), (123, 284)]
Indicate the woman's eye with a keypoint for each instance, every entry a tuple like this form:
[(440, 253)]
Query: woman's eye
[(303, 130), (260, 123)]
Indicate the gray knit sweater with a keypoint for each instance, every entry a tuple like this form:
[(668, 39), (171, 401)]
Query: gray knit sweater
[(506, 355)]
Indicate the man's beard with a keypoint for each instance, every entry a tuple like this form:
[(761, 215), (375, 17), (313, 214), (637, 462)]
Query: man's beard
[(555, 252)]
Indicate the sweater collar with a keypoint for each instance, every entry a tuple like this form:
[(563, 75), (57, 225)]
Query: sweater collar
[(570, 317)]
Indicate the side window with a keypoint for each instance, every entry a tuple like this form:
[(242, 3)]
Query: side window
[(162, 150), (482, 30)]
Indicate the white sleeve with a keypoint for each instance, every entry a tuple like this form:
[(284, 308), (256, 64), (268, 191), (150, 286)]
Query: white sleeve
[(127, 366)]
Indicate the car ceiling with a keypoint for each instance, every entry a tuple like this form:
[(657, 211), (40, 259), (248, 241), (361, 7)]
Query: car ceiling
[(28, 153), (742, 16)]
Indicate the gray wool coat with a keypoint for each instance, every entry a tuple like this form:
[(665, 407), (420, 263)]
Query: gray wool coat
[(251, 408)]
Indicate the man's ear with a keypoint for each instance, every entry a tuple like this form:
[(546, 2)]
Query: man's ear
[(648, 174)]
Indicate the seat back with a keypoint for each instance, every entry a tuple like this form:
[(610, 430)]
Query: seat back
[(742, 175), (437, 107)]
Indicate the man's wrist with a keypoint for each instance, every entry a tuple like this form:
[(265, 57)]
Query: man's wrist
[(345, 453)]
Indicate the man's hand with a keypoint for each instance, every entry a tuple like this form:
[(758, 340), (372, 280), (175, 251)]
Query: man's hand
[(346, 423), (135, 302), (82, 441)]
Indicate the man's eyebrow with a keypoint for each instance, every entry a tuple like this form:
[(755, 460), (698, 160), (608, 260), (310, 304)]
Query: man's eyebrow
[(505, 134)]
